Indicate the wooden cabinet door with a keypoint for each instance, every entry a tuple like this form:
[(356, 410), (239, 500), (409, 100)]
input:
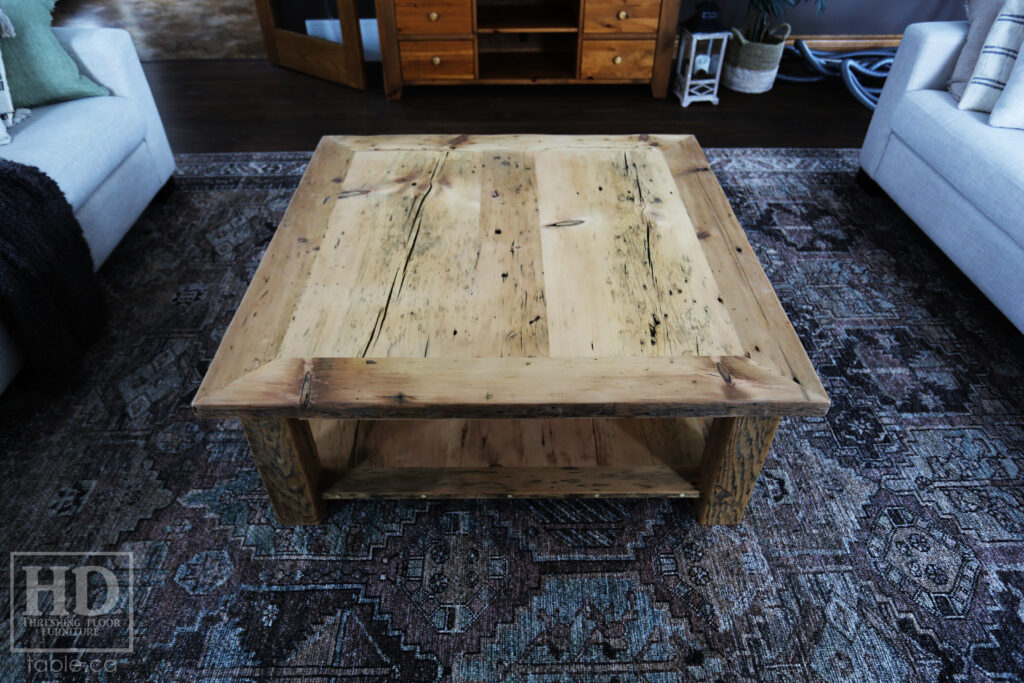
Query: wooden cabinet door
[(287, 46)]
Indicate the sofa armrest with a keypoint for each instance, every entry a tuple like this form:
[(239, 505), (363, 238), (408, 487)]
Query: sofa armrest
[(924, 61), (107, 55)]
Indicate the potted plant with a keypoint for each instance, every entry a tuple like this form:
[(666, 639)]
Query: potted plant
[(753, 54)]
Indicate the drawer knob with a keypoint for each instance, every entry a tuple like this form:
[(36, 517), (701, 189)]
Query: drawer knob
[(433, 16), (623, 15), (436, 61), (618, 59)]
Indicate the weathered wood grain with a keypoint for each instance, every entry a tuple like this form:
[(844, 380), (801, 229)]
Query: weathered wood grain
[(363, 254), (287, 461), (735, 451), (447, 301), (767, 336), (508, 482), (678, 443), (254, 336), (509, 302), (334, 441), (441, 388), (624, 274)]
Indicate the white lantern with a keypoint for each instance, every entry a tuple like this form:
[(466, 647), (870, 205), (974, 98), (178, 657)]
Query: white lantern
[(699, 66)]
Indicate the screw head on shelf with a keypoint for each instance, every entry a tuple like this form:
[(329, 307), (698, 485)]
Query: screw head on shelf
[(433, 16), (618, 59), (436, 61), (623, 15)]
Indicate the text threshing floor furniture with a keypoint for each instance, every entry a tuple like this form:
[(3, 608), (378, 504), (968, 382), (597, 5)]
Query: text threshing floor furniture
[(510, 316)]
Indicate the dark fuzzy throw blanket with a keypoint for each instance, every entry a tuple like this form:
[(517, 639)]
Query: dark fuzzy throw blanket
[(49, 295)]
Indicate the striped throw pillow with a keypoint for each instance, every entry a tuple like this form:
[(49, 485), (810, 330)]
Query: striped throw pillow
[(1009, 110), (997, 59)]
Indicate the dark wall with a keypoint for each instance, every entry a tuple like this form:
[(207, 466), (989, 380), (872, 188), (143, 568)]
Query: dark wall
[(849, 16)]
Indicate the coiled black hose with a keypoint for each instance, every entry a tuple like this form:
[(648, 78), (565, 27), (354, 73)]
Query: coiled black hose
[(852, 67)]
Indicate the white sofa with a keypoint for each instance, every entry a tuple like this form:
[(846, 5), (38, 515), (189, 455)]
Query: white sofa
[(108, 154), (959, 179)]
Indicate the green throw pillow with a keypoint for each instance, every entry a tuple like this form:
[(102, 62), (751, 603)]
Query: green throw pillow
[(39, 71)]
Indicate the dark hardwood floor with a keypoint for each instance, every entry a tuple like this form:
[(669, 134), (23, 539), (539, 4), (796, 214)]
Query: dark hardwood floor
[(250, 105)]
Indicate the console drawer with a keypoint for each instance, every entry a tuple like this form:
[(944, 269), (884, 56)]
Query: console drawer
[(423, 17), (618, 16), (617, 59), (436, 60)]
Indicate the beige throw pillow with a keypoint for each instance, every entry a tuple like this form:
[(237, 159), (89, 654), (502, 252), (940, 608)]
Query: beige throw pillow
[(997, 59), (981, 14)]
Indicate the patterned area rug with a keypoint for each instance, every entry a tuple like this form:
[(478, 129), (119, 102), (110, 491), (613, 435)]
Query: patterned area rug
[(884, 542)]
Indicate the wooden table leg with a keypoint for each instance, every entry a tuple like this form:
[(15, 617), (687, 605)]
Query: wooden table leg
[(287, 461), (733, 455)]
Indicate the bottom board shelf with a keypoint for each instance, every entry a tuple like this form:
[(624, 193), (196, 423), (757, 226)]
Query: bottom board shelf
[(533, 458), (506, 482)]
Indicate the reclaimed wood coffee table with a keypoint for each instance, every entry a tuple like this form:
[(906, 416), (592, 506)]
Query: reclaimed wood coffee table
[(509, 316)]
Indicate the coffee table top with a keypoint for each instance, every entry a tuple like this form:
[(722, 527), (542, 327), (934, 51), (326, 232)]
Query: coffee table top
[(510, 276)]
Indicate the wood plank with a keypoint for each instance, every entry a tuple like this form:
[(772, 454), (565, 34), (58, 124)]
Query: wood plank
[(735, 451), (476, 443), (509, 482), (664, 52), (441, 258), (322, 58), (848, 43), (514, 443), (254, 336), (335, 440), (391, 65), (624, 273), (511, 310), (676, 442), (767, 336), (473, 236), (695, 318), (286, 459), (438, 388), (347, 294)]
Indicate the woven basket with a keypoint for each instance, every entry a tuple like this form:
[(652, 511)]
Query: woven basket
[(751, 67)]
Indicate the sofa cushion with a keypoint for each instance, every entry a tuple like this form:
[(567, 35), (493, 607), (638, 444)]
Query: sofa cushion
[(77, 143), (984, 163)]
